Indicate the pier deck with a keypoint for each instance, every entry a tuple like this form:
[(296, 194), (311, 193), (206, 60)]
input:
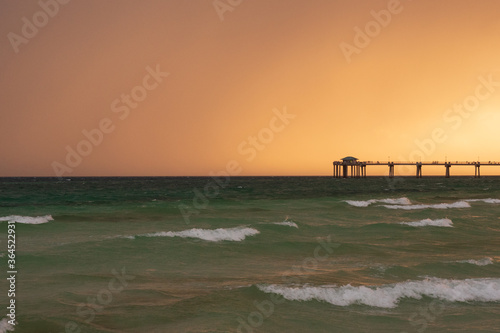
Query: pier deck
[(358, 168)]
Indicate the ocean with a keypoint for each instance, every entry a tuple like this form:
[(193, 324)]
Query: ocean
[(251, 254)]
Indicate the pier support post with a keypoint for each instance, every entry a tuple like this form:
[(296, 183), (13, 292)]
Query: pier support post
[(419, 170), (447, 166), (344, 170), (477, 173), (336, 169), (391, 169)]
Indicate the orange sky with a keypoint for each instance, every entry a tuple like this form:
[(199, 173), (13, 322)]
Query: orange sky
[(282, 87)]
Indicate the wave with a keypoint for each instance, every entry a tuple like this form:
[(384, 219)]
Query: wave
[(28, 219), (388, 296), (287, 223), (122, 236), (458, 204), (480, 262), (488, 200), (5, 326), (366, 203), (428, 222), (222, 234), (405, 203)]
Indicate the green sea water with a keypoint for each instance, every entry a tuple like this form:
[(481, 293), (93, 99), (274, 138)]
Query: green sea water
[(252, 254)]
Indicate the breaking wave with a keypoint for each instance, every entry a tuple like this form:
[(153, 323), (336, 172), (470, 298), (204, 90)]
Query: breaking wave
[(366, 203), (388, 296), (222, 234), (5, 326), (488, 200), (429, 222), (405, 203), (287, 223), (458, 204), (480, 262), (28, 219), (123, 236)]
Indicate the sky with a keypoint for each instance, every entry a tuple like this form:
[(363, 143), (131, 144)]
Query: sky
[(282, 87)]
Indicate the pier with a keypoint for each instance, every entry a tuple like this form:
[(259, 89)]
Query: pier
[(351, 167)]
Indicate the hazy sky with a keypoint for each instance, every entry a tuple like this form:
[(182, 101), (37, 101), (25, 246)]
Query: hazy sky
[(266, 87)]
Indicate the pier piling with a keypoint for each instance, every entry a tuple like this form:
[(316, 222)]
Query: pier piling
[(419, 170)]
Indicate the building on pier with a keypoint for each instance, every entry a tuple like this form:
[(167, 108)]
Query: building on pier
[(341, 168)]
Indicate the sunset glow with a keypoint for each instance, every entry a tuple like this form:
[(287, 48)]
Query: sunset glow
[(182, 88)]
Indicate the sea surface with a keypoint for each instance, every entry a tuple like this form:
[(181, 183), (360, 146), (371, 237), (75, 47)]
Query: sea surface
[(252, 254)]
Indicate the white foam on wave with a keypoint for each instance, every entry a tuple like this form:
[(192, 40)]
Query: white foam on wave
[(28, 219), (359, 203), (487, 200), (405, 203), (5, 326), (479, 262), (428, 222), (123, 236), (222, 234), (388, 296), (287, 223), (366, 203), (458, 204)]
